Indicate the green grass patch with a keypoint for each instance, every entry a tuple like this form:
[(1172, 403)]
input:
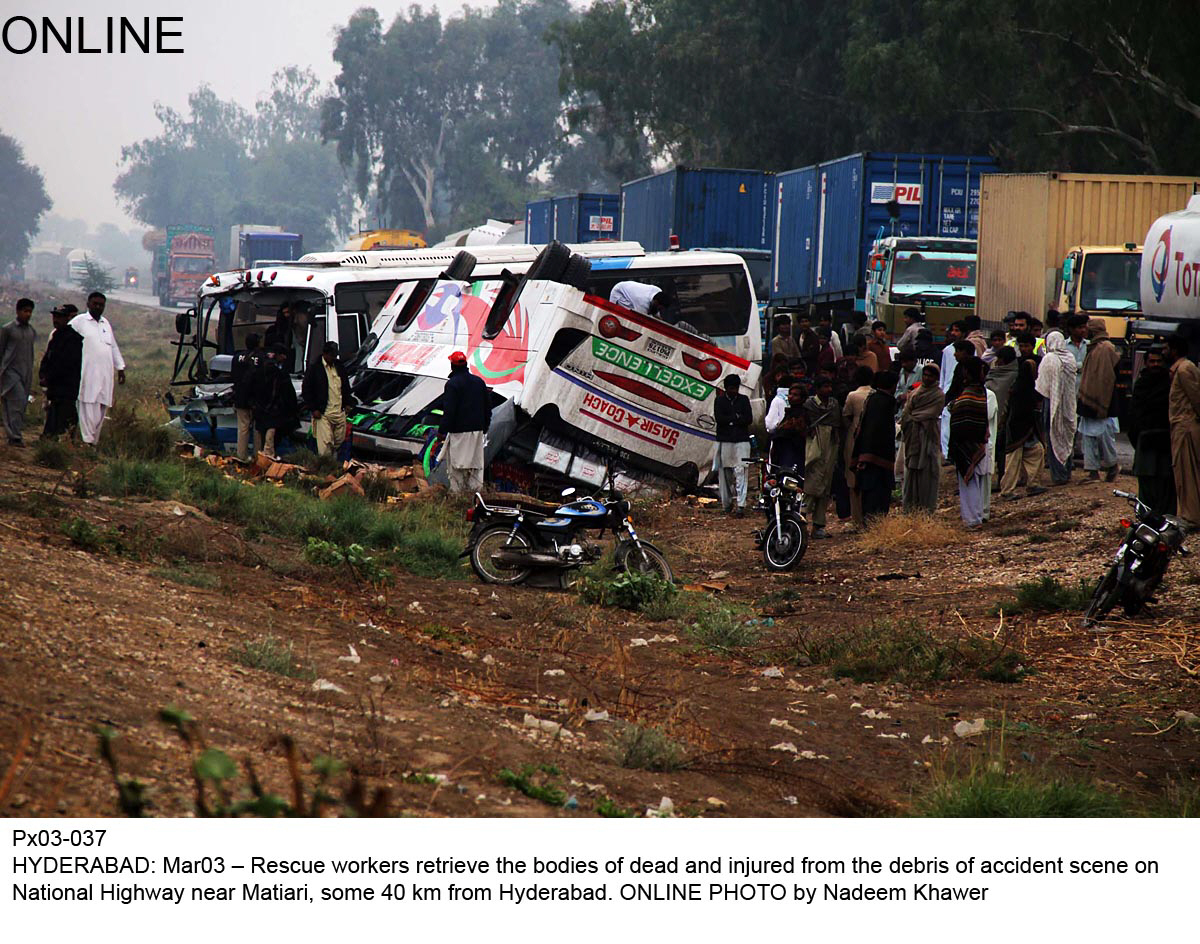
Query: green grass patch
[(353, 557), (905, 651), (721, 627), (639, 747), (182, 574), (271, 655), (1039, 538), (994, 793), (128, 478), (1047, 595), (608, 808), (536, 782), (130, 435)]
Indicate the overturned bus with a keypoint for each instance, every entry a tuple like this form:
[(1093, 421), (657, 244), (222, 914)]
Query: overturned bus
[(344, 291), (575, 379)]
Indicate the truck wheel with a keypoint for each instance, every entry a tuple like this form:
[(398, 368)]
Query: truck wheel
[(576, 273)]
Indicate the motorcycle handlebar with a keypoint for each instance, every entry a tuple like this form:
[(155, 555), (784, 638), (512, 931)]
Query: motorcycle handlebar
[(1121, 494)]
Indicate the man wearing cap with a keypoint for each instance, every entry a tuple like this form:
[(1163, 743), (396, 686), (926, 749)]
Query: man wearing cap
[(326, 393), (466, 416), (59, 372), (16, 369)]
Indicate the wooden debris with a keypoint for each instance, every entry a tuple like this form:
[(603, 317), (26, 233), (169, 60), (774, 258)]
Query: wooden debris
[(347, 482)]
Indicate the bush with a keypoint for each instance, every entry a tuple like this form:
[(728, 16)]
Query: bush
[(723, 628), (994, 793), (629, 590), (537, 783), (883, 650), (362, 565), (129, 477), (52, 454), (129, 435), (646, 748), (1047, 595), (83, 534)]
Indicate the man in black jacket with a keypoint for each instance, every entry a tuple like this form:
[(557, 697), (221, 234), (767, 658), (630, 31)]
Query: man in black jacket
[(731, 410), (274, 398), (59, 372), (326, 394), (245, 363), (874, 452), (466, 416)]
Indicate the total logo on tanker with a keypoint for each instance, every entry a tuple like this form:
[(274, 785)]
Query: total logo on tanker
[(1183, 277)]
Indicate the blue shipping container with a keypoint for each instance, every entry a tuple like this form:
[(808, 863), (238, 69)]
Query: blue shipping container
[(538, 222), (586, 217), (828, 215), (707, 208)]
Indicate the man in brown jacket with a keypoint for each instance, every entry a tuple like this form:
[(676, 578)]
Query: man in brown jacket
[(1096, 384), (1184, 415)]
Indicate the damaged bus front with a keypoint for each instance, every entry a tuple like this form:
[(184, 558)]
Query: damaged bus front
[(573, 376)]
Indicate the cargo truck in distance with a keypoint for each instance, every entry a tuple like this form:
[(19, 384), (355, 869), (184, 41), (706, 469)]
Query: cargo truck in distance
[(182, 262), (842, 226), (252, 244), (577, 218), (386, 239), (1071, 242)]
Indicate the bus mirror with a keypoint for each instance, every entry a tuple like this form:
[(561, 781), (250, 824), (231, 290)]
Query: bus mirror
[(1068, 268), (183, 322)]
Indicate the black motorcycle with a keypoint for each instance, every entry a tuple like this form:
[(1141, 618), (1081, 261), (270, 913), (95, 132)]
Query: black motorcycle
[(1140, 563), (785, 538), (511, 543)]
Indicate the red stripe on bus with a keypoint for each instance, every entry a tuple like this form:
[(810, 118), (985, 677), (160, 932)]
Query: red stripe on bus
[(661, 327), (642, 390)]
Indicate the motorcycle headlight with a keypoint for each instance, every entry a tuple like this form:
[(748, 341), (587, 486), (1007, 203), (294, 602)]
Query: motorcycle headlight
[(1147, 534), (789, 482)]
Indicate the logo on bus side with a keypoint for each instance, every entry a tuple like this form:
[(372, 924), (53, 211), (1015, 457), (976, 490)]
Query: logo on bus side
[(651, 370), (1160, 264)]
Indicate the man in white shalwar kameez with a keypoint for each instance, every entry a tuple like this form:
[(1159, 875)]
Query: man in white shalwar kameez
[(101, 357)]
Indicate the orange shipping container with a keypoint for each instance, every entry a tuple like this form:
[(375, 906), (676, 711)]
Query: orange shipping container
[(1027, 222)]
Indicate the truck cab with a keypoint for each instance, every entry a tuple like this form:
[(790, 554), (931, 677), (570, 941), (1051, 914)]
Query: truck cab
[(1102, 282), (935, 275)]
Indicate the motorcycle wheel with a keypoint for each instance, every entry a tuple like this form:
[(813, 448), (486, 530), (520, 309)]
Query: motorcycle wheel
[(649, 561), (489, 542), (784, 546), (1108, 591)]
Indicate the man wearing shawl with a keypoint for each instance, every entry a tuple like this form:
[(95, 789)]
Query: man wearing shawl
[(1025, 452), (1096, 383), (1056, 383), (968, 441), (946, 377), (920, 433), (875, 447), (1000, 379), (1149, 428), (1184, 414), (824, 426)]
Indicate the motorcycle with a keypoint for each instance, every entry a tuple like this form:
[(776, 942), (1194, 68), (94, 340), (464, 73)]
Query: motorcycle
[(785, 538), (510, 544), (1151, 540)]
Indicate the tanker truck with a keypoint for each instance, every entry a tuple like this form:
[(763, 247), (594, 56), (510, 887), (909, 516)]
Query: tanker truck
[(1170, 277)]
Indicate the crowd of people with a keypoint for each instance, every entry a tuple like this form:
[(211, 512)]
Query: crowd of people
[(866, 421)]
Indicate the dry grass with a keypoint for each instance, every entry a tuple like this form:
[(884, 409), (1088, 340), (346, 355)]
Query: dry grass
[(901, 532)]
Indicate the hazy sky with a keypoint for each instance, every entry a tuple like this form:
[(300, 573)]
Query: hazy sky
[(73, 113)]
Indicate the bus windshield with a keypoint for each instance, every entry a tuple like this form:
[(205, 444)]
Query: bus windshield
[(933, 269)]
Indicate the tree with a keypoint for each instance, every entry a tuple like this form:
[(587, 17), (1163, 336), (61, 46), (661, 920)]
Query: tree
[(23, 200), (95, 277)]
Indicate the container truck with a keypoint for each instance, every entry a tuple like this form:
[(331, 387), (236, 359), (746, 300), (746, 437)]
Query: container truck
[(576, 218), (832, 218), (538, 221), (251, 243), (1069, 241), (183, 262), (699, 208)]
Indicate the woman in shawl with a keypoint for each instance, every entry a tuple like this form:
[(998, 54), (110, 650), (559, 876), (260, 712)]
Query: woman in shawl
[(1056, 382), (968, 441), (920, 432)]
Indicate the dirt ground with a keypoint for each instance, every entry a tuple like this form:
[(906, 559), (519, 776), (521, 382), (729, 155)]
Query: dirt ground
[(430, 688)]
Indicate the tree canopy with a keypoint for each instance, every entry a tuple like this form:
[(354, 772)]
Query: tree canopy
[(23, 200), (219, 164)]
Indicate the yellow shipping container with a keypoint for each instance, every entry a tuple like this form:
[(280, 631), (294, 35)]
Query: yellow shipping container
[(1027, 222)]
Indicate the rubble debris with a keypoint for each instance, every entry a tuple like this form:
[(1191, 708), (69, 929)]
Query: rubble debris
[(324, 685), (966, 729)]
